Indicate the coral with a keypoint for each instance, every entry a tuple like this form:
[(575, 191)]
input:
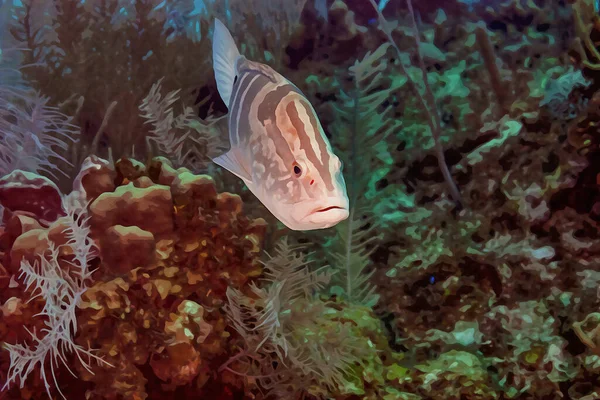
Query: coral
[(33, 135), (557, 95), (583, 42), (319, 347), (459, 373), (158, 112), (127, 247), (489, 58), (539, 360), (70, 49), (421, 299), (60, 287), (427, 100), (276, 20), (30, 193), (360, 125), (168, 247)]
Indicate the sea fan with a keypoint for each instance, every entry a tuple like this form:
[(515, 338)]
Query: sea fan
[(278, 319), (61, 289), (287, 279), (360, 125)]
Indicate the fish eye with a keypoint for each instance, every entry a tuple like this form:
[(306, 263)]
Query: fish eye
[(297, 170)]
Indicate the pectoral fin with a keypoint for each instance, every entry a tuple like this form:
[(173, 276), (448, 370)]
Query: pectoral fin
[(234, 162)]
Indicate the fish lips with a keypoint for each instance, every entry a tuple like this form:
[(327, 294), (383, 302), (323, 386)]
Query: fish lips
[(327, 215)]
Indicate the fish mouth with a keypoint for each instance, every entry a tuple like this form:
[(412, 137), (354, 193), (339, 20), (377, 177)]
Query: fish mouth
[(326, 216), (321, 210)]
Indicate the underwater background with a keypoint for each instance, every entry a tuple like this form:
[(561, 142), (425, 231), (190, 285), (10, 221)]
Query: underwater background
[(133, 267)]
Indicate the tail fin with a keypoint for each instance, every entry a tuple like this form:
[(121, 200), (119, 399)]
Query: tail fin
[(225, 54)]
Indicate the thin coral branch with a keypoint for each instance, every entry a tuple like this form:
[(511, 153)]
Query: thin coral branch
[(232, 359), (434, 120), (173, 133), (584, 35), (489, 59), (277, 318), (100, 132)]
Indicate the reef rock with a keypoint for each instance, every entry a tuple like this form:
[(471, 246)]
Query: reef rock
[(32, 193)]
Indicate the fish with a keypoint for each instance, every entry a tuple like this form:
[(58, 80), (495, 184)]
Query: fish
[(277, 145)]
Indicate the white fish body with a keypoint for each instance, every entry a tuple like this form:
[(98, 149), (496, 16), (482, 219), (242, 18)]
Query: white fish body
[(278, 147)]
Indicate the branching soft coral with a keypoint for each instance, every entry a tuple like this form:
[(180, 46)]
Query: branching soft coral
[(33, 135), (360, 125), (314, 345), (91, 43), (61, 288), (182, 137), (264, 325)]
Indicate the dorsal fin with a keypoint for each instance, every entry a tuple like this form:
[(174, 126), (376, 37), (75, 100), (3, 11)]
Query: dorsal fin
[(225, 55), (244, 65)]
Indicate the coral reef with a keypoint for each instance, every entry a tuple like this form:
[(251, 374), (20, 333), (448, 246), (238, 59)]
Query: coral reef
[(469, 266)]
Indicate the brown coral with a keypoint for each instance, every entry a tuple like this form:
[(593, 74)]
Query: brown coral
[(192, 244)]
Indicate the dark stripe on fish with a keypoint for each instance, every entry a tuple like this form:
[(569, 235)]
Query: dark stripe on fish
[(242, 81), (252, 83), (307, 145), (267, 108), (282, 147), (267, 111), (319, 135), (235, 90)]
